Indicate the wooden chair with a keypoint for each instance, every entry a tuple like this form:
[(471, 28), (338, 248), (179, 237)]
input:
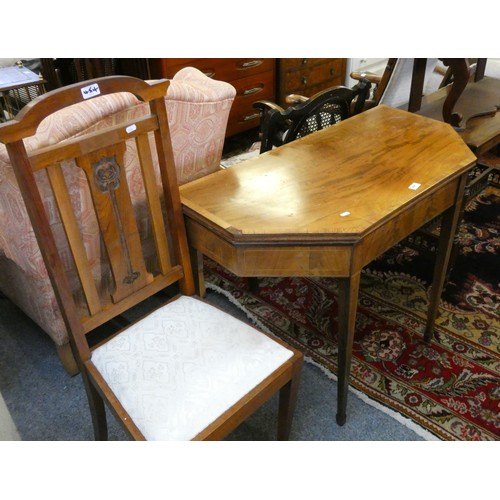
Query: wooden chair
[(186, 370), (307, 115), (470, 103), (65, 71)]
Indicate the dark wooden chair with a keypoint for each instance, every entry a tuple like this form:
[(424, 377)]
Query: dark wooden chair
[(64, 71), (185, 370), (307, 115), (469, 102)]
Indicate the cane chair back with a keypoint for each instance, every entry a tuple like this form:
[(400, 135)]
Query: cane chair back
[(186, 370), (328, 107)]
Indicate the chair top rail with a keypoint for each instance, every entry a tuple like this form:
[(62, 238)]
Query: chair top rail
[(29, 118)]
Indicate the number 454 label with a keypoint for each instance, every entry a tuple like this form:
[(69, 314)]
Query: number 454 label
[(90, 91)]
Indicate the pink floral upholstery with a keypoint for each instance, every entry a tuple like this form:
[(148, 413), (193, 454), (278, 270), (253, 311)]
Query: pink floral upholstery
[(198, 109)]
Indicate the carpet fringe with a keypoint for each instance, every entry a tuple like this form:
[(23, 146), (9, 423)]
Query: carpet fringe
[(407, 422)]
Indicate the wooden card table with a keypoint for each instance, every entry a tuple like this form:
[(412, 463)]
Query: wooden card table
[(331, 202)]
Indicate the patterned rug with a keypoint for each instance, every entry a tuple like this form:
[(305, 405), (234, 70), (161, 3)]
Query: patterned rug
[(450, 387)]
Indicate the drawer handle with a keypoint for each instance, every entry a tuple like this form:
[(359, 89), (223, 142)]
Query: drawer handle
[(247, 118), (332, 72), (304, 61), (251, 64), (304, 80), (253, 90)]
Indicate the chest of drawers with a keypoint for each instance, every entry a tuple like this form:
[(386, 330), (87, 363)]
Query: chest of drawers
[(308, 76), (253, 79)]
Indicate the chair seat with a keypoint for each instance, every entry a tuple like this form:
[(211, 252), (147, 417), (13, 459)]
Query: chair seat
[(181, 367)]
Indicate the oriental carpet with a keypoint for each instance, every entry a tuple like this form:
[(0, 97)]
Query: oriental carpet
[(451, 386)]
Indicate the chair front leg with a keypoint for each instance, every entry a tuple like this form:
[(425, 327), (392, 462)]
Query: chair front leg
[(287, 403)]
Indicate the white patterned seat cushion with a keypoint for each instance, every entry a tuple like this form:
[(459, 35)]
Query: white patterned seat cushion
[(181, 367)]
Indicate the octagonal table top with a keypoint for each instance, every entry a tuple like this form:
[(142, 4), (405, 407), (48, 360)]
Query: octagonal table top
[(344, 180)]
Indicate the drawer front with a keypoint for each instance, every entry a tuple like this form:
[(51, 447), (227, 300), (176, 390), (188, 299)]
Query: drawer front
[(328, 74), (298, 63), (255, 87), (243, 115), (220, 69)]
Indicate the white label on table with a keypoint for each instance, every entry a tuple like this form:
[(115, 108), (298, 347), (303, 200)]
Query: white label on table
[(414, 186), (130, 128), (90, 91), (345, 214)]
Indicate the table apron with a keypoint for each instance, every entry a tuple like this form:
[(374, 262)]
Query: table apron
[(404, 223), (275, 259), (269, 259)]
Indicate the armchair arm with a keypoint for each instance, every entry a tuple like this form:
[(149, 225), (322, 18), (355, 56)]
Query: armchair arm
[(295, 99), (371, 77), (264, 106)]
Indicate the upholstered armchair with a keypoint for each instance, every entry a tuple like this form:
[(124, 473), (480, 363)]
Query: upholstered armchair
[(198, 109)]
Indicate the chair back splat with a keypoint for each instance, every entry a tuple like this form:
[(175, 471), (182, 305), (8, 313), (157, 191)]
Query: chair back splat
[(100, 156), (137, 222)]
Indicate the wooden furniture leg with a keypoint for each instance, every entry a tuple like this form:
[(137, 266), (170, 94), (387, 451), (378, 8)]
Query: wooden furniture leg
[(197, 265), (449, 224), (417, 84), (461, 73), (67, 359), (287, 401), (348, 302), (97, 409)]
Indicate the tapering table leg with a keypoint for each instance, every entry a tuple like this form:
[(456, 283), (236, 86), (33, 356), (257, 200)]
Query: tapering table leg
[(449, 224), (197, 265), (348, 301)]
